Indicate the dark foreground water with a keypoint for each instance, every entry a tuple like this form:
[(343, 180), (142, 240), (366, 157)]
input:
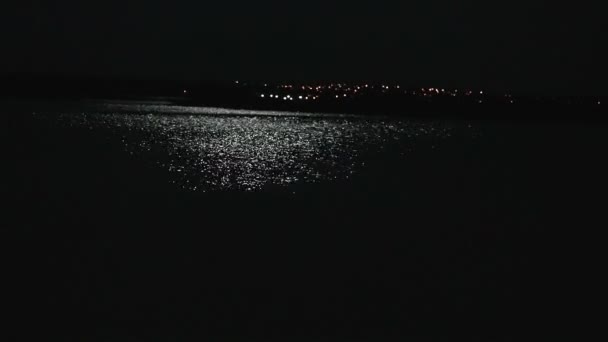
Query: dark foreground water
[(146, 222)]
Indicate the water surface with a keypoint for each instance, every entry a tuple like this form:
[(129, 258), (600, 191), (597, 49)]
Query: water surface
[(220, 149)]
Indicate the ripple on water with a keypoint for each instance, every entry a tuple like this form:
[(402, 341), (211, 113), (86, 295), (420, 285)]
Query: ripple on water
[(204, 152)]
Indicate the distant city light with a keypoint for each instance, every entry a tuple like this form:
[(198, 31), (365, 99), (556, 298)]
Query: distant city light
[(346, 92)]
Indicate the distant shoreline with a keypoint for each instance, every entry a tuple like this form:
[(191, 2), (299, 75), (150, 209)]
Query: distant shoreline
[(519, 112), (375, 102)]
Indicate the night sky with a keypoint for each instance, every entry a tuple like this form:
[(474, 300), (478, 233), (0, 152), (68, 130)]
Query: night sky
[(536, 46)]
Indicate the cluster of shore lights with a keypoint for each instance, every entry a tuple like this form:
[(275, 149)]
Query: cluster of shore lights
[(289, 97), (342, 91), (357, 89)]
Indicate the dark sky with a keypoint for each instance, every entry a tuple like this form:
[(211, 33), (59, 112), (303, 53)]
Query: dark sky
[(516, 45)]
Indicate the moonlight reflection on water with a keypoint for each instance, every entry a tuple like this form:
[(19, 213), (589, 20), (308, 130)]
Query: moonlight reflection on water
[(204, 152)]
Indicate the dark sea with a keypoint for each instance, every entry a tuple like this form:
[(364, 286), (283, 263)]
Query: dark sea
[(145, 221)]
